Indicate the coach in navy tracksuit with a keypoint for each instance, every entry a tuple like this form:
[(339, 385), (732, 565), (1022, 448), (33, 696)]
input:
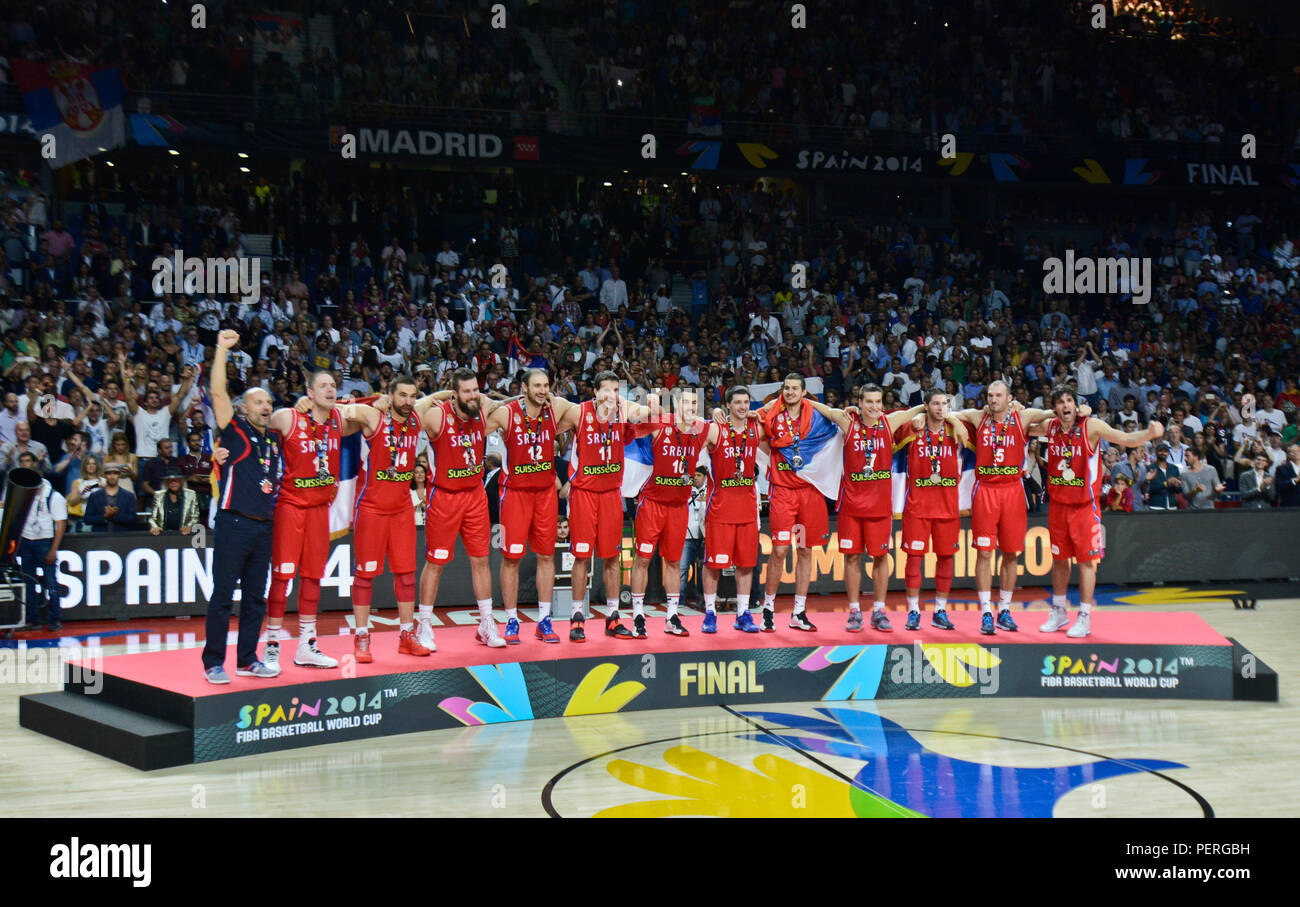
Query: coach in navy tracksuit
[(250, 481)]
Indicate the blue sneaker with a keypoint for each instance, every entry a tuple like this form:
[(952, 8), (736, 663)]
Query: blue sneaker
[(511, 636), (986, 624), (745, 623), (710, 624), (913, 621), (1005, 621), (545, 632), (258, 669), (941, 621), (216, 674)]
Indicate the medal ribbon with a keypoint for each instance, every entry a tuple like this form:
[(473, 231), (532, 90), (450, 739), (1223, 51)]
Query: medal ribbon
[(743, 434), (934, 459), (322, 450), (794, 432)]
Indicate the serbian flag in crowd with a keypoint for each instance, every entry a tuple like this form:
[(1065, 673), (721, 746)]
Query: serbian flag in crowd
[(351, 457), (286, 25), (706, 117), (965, 488), (79, 105)]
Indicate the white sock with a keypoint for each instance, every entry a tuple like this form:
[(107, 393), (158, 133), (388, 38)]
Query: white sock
[(485, 609), (769, 601), (306, 629), (362, 631), (638, 605), (408, 626), (742, 604), (612, 605), (672, 604), (984, 597), (275, 634), (580, 608), (941, 603), (855, 605), (1004, 599), (426, 614), (512, 613), (799, 603), (543, 610), (1060, 601), (711, 600), (878, 606), (913, 603), (1085, 607)]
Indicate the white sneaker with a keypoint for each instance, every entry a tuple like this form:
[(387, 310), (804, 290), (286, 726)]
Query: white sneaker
[(487, 634), (1082, 626), (271, 656), (311, 657), (424, 635), (1057, 620)]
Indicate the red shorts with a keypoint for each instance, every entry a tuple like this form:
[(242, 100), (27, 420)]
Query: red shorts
[(918, 531), (868, 534), (664, 524), (595, 523), (453, 513), (529, 516), (999, 517), (300, 541), (376, 534), (730, 544), (791, 507), (1075, 531)]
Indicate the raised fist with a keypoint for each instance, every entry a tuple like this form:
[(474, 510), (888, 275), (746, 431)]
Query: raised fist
[(227, 339)]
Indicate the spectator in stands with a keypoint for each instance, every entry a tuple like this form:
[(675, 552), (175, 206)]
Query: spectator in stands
[(38, 550), (23, 443), (1163, 484), (9, 418), (1120, 496), (1256, 485), (1287, 478), (154, 469), (1201, 482), (175, 507), (92, 477), (112, 507), (119, 455)]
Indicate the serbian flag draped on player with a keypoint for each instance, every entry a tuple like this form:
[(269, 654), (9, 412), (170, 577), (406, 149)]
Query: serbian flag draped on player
[(965, 489), (78, 105), (639, 463), (350, 458), (821, 448)]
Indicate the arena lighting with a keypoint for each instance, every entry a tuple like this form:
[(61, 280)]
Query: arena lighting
[(243, 170), (608, 183), (242, 154), (109, 163), (173, 151)]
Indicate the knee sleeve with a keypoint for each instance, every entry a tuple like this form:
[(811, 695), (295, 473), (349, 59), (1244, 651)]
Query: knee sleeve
[(404, 586), (913, 570), (362, 589), (943, 571), (309, 598), (276, 599)]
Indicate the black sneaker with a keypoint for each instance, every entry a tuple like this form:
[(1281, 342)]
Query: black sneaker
[(576, 633), (616, 629), (673, 627), (800, 621), (638, 626), (769, 620)]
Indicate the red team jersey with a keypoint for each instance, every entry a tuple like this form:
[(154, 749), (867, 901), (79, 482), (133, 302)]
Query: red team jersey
[(925, 498), (309, 448), (530, 449), (999, 450), (597, 460), (867, 486), (390, 466), (457, 453), (733, 494), (781, 429), (676, 453), (1072, 450)]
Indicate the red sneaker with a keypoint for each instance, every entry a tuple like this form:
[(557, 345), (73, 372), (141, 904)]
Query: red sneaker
[(361, 648), (408, 644)]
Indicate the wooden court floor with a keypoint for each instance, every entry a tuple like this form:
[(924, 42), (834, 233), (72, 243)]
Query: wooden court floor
[(1072, 757)]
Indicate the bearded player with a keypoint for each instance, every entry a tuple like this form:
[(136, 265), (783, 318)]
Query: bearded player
[(529, 505), (999, 511), (300, 535), (1074, 477), (601, 427), (865, 510), (932, 509), (662, 510), (793, 501), (383, 523), (457, 505), (731, 520)]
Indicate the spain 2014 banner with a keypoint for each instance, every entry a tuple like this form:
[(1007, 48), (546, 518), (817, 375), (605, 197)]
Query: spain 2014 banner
[(77, 105)]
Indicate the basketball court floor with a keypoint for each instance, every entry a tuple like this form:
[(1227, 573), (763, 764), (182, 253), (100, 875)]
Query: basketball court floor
[(1065, 757)]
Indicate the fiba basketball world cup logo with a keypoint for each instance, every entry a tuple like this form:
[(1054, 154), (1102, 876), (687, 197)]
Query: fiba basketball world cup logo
[(77, 99)]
